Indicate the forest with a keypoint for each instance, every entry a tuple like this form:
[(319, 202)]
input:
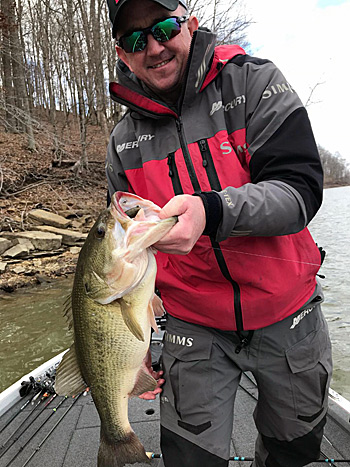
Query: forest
[(56, 61)]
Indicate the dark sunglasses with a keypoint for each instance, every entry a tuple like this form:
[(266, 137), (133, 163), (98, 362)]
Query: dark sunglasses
[(162, 31)]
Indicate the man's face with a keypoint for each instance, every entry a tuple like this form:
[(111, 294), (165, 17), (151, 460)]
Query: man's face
[(161, 66)]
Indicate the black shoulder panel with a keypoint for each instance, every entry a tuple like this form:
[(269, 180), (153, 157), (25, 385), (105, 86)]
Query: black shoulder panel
[(240, 60), (291, 156)]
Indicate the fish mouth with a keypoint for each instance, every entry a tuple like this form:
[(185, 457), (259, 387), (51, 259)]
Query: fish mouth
[(130, 204), (143, 228)]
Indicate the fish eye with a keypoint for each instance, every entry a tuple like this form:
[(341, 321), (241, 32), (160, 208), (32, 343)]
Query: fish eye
[(100, 232)]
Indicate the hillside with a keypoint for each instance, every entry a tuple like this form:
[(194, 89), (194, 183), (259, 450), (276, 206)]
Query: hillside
[(30, 180)]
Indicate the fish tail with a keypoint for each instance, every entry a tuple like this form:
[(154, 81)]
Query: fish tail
[(127, 450)]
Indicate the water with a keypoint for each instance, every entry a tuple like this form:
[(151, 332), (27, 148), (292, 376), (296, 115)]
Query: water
[(331, 229), (33, 329)]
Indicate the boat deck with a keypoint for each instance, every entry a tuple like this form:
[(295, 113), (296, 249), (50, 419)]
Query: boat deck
[(69, 436)]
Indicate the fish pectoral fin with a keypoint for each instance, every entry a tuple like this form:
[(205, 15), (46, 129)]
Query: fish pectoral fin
[(144, 382), (130, 320), (69, 380)]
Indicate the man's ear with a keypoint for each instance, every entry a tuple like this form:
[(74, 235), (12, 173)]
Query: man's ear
[(192, 24), (122, 55)]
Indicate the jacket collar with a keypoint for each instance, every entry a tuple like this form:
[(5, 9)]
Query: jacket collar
[(205, 62)]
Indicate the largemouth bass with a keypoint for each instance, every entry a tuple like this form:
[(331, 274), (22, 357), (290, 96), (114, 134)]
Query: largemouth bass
[(112, 314)]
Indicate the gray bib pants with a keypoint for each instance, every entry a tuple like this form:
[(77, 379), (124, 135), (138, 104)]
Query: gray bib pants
[(292, 364)]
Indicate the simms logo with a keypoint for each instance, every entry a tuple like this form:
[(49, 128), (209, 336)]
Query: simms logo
[(179, 340), (134, 144), (229, 106), (226, 148), (277, 89)]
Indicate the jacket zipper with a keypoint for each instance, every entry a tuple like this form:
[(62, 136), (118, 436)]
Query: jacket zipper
[(187, 157), (214, 181), (208, 164), (174, 174)]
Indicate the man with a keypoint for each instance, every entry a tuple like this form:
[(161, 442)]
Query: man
[(221, 140)]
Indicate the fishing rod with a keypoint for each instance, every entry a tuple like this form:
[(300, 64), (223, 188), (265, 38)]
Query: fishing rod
[(54, 410), (21, 409), (52, 429), (26, 388), (152, 455), (5, 448)]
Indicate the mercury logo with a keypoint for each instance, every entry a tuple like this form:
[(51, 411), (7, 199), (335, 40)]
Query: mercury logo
[(229, 106), (134, 144), (298, 318)]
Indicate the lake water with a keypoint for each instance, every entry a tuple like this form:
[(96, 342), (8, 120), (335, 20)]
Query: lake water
[(33, 329), (331, 229)]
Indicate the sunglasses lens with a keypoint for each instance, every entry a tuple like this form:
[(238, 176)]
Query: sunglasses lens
[(166, 30), (162, 32), (135, 42)]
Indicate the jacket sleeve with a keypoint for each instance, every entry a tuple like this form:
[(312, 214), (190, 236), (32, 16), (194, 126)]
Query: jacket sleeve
[(286, 173)]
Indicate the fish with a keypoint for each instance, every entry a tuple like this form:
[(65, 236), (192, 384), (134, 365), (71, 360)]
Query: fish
[(111, 312)]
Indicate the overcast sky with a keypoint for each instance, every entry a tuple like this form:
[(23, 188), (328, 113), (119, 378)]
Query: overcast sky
[(309, 41)]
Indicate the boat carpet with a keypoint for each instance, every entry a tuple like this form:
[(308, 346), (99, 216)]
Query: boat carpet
[(69, 436)]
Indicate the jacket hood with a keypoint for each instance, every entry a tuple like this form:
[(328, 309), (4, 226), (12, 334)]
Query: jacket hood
[(205, 62)]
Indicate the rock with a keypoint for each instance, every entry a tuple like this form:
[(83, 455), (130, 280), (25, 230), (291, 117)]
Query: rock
[(76, 225), (69, 237), (48, 218), (5, 244), (42, 241), (41, 279), (17, 251), (75, 250), (2, 267), (27, 243), (19, 269)]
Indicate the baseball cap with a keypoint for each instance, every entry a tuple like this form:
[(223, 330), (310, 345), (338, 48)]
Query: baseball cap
[(115, 5)]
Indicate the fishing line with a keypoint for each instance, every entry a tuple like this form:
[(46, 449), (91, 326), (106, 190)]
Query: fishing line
[(264, 256)]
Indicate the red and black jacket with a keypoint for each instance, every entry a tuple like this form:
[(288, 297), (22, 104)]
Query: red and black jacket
[(240, 138)]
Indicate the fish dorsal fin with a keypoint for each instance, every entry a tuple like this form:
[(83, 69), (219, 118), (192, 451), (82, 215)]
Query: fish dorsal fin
[(68, 312), (130, 319), (152, 319), (144, 382), (69, 380), (155, 308), (157, 305)]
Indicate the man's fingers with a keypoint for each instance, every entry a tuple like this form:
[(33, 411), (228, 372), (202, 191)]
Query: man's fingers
[(151, 395)]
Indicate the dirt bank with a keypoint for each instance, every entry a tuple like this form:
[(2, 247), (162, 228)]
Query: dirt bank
[(31, 181)]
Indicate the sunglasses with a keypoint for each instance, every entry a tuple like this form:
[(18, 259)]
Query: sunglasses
[(162, 31)]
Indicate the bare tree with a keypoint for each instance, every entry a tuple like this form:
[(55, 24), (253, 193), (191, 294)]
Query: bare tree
[(228, 19), (57, 58)]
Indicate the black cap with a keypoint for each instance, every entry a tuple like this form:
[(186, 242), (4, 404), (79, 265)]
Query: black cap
[(115, 5)]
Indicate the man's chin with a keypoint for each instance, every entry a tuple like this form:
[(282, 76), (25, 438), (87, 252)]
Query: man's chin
[(167, 92)]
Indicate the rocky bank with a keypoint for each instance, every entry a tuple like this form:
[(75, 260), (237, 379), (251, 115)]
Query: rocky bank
[(48, 248), (46, 209)]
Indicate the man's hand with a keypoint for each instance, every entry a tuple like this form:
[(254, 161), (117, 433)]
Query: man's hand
[(185, 233), (151, 395)]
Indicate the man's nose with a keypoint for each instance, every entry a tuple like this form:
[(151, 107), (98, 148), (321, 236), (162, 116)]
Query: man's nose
[(154, 47)]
